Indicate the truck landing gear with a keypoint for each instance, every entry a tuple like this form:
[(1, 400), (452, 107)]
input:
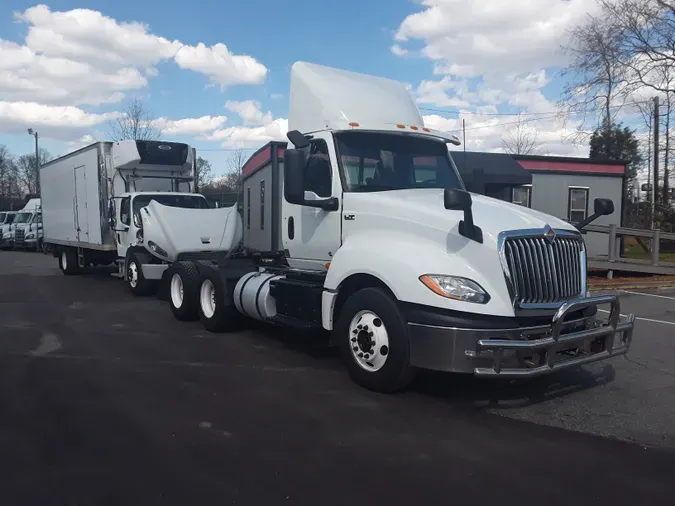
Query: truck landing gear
[(374, 341)]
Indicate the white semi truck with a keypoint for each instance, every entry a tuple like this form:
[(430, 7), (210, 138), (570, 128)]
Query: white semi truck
[(362, 227), (118, 202), (27, 227), (7, 229)]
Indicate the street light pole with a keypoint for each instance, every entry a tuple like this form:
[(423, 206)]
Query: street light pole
[(37, 183)]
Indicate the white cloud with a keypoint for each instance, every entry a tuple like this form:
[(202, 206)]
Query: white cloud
[(495, 37), (246, 136), (221, 66), (83, 141), (57, 122), (398, 50), (85, 35), (190, 126), (26, 75), (249, 111)]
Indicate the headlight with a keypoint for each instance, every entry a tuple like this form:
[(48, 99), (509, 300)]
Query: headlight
[(157, 249), (30, 236), (453, 287), (8, 235)]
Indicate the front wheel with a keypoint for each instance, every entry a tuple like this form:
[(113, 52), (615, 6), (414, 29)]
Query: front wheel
[(374, 341), (136, 282)]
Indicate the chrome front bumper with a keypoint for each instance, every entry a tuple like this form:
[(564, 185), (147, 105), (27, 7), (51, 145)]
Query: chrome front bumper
[(525, 352)]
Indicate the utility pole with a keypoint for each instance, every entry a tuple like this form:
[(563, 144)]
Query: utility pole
[(656, 156)]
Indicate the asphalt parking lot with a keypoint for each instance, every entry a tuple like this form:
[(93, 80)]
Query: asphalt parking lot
[(106, 399)]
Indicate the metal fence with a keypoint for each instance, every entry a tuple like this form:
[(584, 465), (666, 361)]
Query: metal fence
[(614, 243)]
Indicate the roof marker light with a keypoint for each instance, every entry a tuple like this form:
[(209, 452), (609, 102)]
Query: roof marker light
[(426, 129), (353, 124), (400, 126), (413, 127)]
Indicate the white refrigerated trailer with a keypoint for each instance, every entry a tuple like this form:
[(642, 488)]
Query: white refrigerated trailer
[(96, 201), (362, 227)]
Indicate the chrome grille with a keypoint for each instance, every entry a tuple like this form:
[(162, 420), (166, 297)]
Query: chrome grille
[(19, 235), (544, 272)]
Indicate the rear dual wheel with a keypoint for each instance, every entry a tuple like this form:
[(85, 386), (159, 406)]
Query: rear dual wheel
[(183, 290), (216, 309)]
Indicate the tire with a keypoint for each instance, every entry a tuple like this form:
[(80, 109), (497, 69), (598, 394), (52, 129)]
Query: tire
[(68, 261), (370, 316), (135, 281), (183, 280), (216, 312)]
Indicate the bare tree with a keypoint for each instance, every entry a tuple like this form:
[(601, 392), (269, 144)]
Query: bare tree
[(646, 30), (596, 83), (235, 163), (9, 180), (28, 177), (136, 123), (522, 139)]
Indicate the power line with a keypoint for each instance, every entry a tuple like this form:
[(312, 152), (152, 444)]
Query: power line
[(547, 113)]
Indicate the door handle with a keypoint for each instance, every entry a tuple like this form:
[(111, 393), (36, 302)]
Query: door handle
[(291, 228)]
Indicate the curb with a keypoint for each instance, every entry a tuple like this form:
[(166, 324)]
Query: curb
[(632, 286)]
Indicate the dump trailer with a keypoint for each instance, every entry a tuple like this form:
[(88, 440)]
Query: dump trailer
[(361, 226), (130, 203)]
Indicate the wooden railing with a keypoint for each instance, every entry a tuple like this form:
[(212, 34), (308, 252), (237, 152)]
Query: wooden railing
[(614, 243)]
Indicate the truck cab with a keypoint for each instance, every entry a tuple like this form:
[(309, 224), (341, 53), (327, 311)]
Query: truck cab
[(28, 233), (362, 227), (154, 229), (7, 229)]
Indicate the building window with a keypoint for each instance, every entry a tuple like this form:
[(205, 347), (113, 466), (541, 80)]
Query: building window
[(522, 195), (577, 205)]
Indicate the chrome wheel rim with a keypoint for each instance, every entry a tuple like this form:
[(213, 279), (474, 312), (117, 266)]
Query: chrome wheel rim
[(368, 341)]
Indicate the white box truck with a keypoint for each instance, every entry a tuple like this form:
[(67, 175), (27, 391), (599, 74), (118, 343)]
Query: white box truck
[(97, 201), (362, 227)]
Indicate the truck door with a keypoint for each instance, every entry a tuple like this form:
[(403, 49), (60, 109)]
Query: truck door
[(312, 235), (81, 218), (123, 210)]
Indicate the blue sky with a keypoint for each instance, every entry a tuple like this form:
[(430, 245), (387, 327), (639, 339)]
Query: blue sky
[(489, 57)]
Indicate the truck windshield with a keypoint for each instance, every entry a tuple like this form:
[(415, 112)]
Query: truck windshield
[(383, 161), (187, 201), (23, 217)]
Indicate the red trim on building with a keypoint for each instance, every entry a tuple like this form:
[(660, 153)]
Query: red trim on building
[(589, 168)]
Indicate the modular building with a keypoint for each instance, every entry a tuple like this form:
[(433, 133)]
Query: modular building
[(560, 186)]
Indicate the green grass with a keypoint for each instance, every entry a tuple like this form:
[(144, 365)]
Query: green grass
[(633, 251)]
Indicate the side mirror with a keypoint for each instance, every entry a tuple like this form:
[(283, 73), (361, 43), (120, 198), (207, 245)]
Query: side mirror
[(294, 183), (294, 166), (603, 207), (137, 220), (455, 199), (299, 141)]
